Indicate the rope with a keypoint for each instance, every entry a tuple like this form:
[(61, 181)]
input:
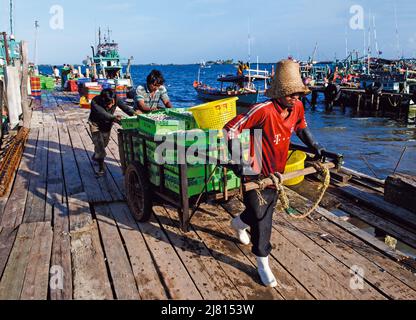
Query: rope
[(278, 182)]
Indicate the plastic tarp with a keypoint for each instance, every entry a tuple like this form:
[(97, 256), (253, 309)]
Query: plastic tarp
[(14, 97)]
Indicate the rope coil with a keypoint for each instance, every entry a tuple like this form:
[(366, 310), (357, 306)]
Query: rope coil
[(277, 179)]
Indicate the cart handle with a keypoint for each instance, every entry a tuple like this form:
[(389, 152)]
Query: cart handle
[(249, 186)]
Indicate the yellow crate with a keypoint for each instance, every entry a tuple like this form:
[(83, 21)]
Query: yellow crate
[(296, 162), (216, 114)]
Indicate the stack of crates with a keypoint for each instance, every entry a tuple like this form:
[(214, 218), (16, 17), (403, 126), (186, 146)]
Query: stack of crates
[(121, 92), (184, 115), (178, 125), (72, 86), (36, 88), (92, 92), (47, 83)]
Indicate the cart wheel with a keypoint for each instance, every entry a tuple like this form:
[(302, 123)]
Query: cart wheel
[(138, 192)]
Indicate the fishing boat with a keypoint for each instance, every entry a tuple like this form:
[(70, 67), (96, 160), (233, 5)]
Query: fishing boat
[(245, 86), (106, 62)]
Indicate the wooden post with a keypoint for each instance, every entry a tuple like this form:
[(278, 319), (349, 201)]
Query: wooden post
[(372, 102), (314, 98), (359, 103), (27, 113), (184, 211)]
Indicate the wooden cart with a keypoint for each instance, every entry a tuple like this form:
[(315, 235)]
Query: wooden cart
[(141, 193)]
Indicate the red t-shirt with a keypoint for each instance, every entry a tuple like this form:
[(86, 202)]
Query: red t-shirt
[(276, 134)]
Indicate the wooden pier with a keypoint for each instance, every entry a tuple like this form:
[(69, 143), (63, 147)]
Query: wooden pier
[(384, 104), (66, 234)]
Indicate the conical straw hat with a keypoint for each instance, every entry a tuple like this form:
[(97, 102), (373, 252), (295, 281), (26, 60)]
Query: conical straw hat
[(287, 81)]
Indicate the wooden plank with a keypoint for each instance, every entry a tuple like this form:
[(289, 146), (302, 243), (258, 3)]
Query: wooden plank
[(90, 278), (240, 270), (61, 267), (36, 200), (374, 277), (206, 272), (288, 286), (144, 269), (378, 203), (121, 271), (346, 242), (365, 244), (79, 212), (400, 190), (15, 206), (310, 243), (362, 235), (11, 283), (171, 269), (362, 176), (7, 238), (36, 283), (332, 200), (72, 179), (87, 174), (55, 191), (308, 271)]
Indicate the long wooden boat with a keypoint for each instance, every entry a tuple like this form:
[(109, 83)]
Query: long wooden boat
[(242, 86)]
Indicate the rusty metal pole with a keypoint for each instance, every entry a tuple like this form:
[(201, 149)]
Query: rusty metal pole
[(6, 48)]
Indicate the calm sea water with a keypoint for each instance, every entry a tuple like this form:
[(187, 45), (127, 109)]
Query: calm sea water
[(370, 145)]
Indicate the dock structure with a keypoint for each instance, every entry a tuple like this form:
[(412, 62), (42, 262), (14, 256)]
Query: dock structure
[(363, 103), (66, 234)]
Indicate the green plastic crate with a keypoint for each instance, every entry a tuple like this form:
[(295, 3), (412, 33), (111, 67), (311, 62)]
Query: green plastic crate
[(154, 127), (154, 176), (233, 183), (197, 171), (195, 185), (184, 115), (130, 123)]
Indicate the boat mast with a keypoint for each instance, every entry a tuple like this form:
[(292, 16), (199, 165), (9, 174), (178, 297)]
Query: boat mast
[(346, 42), (11, 18), (369, 42), (35, 60), (314, 52), (375, 36), (397, 32), (249, 45)]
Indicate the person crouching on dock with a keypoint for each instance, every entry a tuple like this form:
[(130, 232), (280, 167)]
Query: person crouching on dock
[(101, 121), (277, 119)]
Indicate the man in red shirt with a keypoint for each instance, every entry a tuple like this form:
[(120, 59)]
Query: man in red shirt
[(276, 119)]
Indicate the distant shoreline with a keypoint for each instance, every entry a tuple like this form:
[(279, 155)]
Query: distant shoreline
[(162, 64)]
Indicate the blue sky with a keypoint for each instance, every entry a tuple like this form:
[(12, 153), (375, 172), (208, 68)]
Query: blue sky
[(188, 31)]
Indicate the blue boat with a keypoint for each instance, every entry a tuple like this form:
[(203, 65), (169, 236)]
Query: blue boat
[(244, 86)]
